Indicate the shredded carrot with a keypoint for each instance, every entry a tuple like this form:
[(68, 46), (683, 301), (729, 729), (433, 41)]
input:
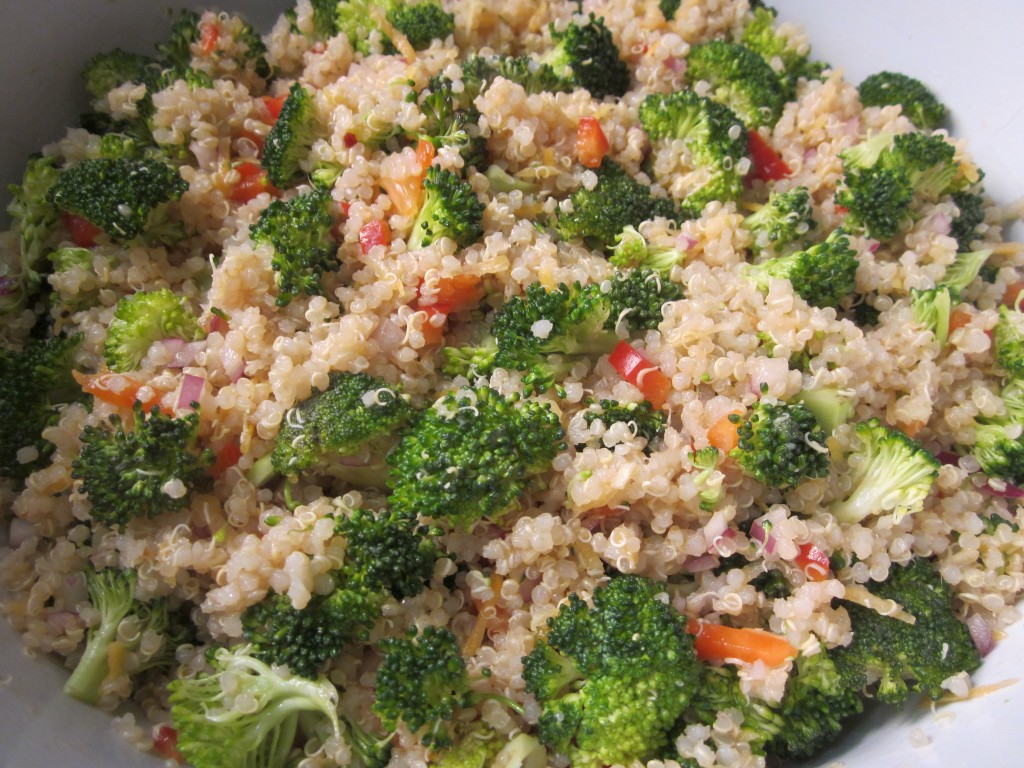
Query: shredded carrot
[(115, 388), (714, 642), (1012, 294), (485, 613), (958, 318), (724, 433)]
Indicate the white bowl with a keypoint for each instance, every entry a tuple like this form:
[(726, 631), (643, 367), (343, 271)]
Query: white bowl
[(967, 52)]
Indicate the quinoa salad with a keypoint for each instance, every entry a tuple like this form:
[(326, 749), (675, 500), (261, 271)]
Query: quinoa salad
[(457, 384)]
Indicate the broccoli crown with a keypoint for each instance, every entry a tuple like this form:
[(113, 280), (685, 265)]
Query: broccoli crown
[(781, 444), (636, 298), (176, 50), (931, 308), (1008, 339), (420, 22), (33, 220), (618, 200), (534, 76), (471, 456), (142, 472), (300, 232), (325, 23), (118, 195), (33, 384), (105, 71), (740, 78), (242, 712), (761, 35), (633, 251), (823, 275), (999, 454), (448, 124), (477, 748), (586, 55), (919, 104), (471, 361), (357, 416), (642, 418), (450, 209), (889, 472), (706, 460), (290, 139), (907, 657), (612, 678), (668, 8), (785, 220), (808, 718), (112, 594), (422, 682), (143, 318), (970, 215), (544, 333)]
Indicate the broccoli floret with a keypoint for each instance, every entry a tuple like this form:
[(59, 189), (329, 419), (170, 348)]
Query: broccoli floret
[(618, 200), (831, 406), (242, 712), (471, 361), (471, 455), (140, 472), (34, 220), (782, 223), (961, 273), (300, 232), (325, 23), (613, 678), (633, 251), (823, 275), (447, 124), (889, 472), (998, 441), (481, 747), (739, 78), (712, 133), (386, 554), (642, 418), (586, 55), (907, 657), (176, 50), (1008, 340), (636, 299), (808, 718), (885, 176), (791, 62), (706, 460), (781, 444), (971, 214), (919, 104), (143, 318), (290, 139), (105, 71), (33, 384), (420, 22), (534, 76), (119, 195), (931, 308), (112, 595), (450, 209)]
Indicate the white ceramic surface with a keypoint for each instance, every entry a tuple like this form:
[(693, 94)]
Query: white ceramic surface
[(968, 52)]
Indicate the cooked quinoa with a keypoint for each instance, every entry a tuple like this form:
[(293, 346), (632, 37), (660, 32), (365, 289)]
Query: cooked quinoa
[(609, 503)]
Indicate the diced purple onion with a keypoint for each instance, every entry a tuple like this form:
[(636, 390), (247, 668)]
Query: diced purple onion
[(766, 540), (981, 634), (191, 390)]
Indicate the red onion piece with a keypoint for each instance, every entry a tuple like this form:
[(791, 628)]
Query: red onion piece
[(685, 242), (981, 634), (234, 363), (700, 563), (757, 533), (191, 391), (675, 65)]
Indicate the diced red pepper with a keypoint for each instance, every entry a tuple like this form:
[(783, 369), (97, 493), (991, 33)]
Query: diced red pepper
[(115, 388), (273, 105), (374, 233), (1012, 294), (433, 334), (457, 293), (591, 144), (350, 140), (768, 165), (634, 367), (83, 232), (208, 37), (227, 457), (813, 562), (425, 154), (165, 744), (253, 182)]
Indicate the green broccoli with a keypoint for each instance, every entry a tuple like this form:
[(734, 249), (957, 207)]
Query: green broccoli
[(668, 8), (112, 595), (636, 299), (999, 440), (450, 209), (143, 318), (970, 215), (831, 406), (886, 176), (919, 104), (447, 123), (740, 79), (633, 251), (420, 22), (482, 747), (121, 196), (533, 75), (642, 419), (176, 49), (965, 267), (290, 139), (471, 456), (618, 200), (706, 460), (1008, 340), (613, 678), (34, 221), (931, 308), (141, 472), (299, 229), (904, 657), (244, 713), (586, 56), (500, 180), (781, 224), (889, 472), (105, 71), (713, 135), (386, 554), (34, 383), (781, 444), (790, 61), (325, 22), (823, 275), (86, 292)]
